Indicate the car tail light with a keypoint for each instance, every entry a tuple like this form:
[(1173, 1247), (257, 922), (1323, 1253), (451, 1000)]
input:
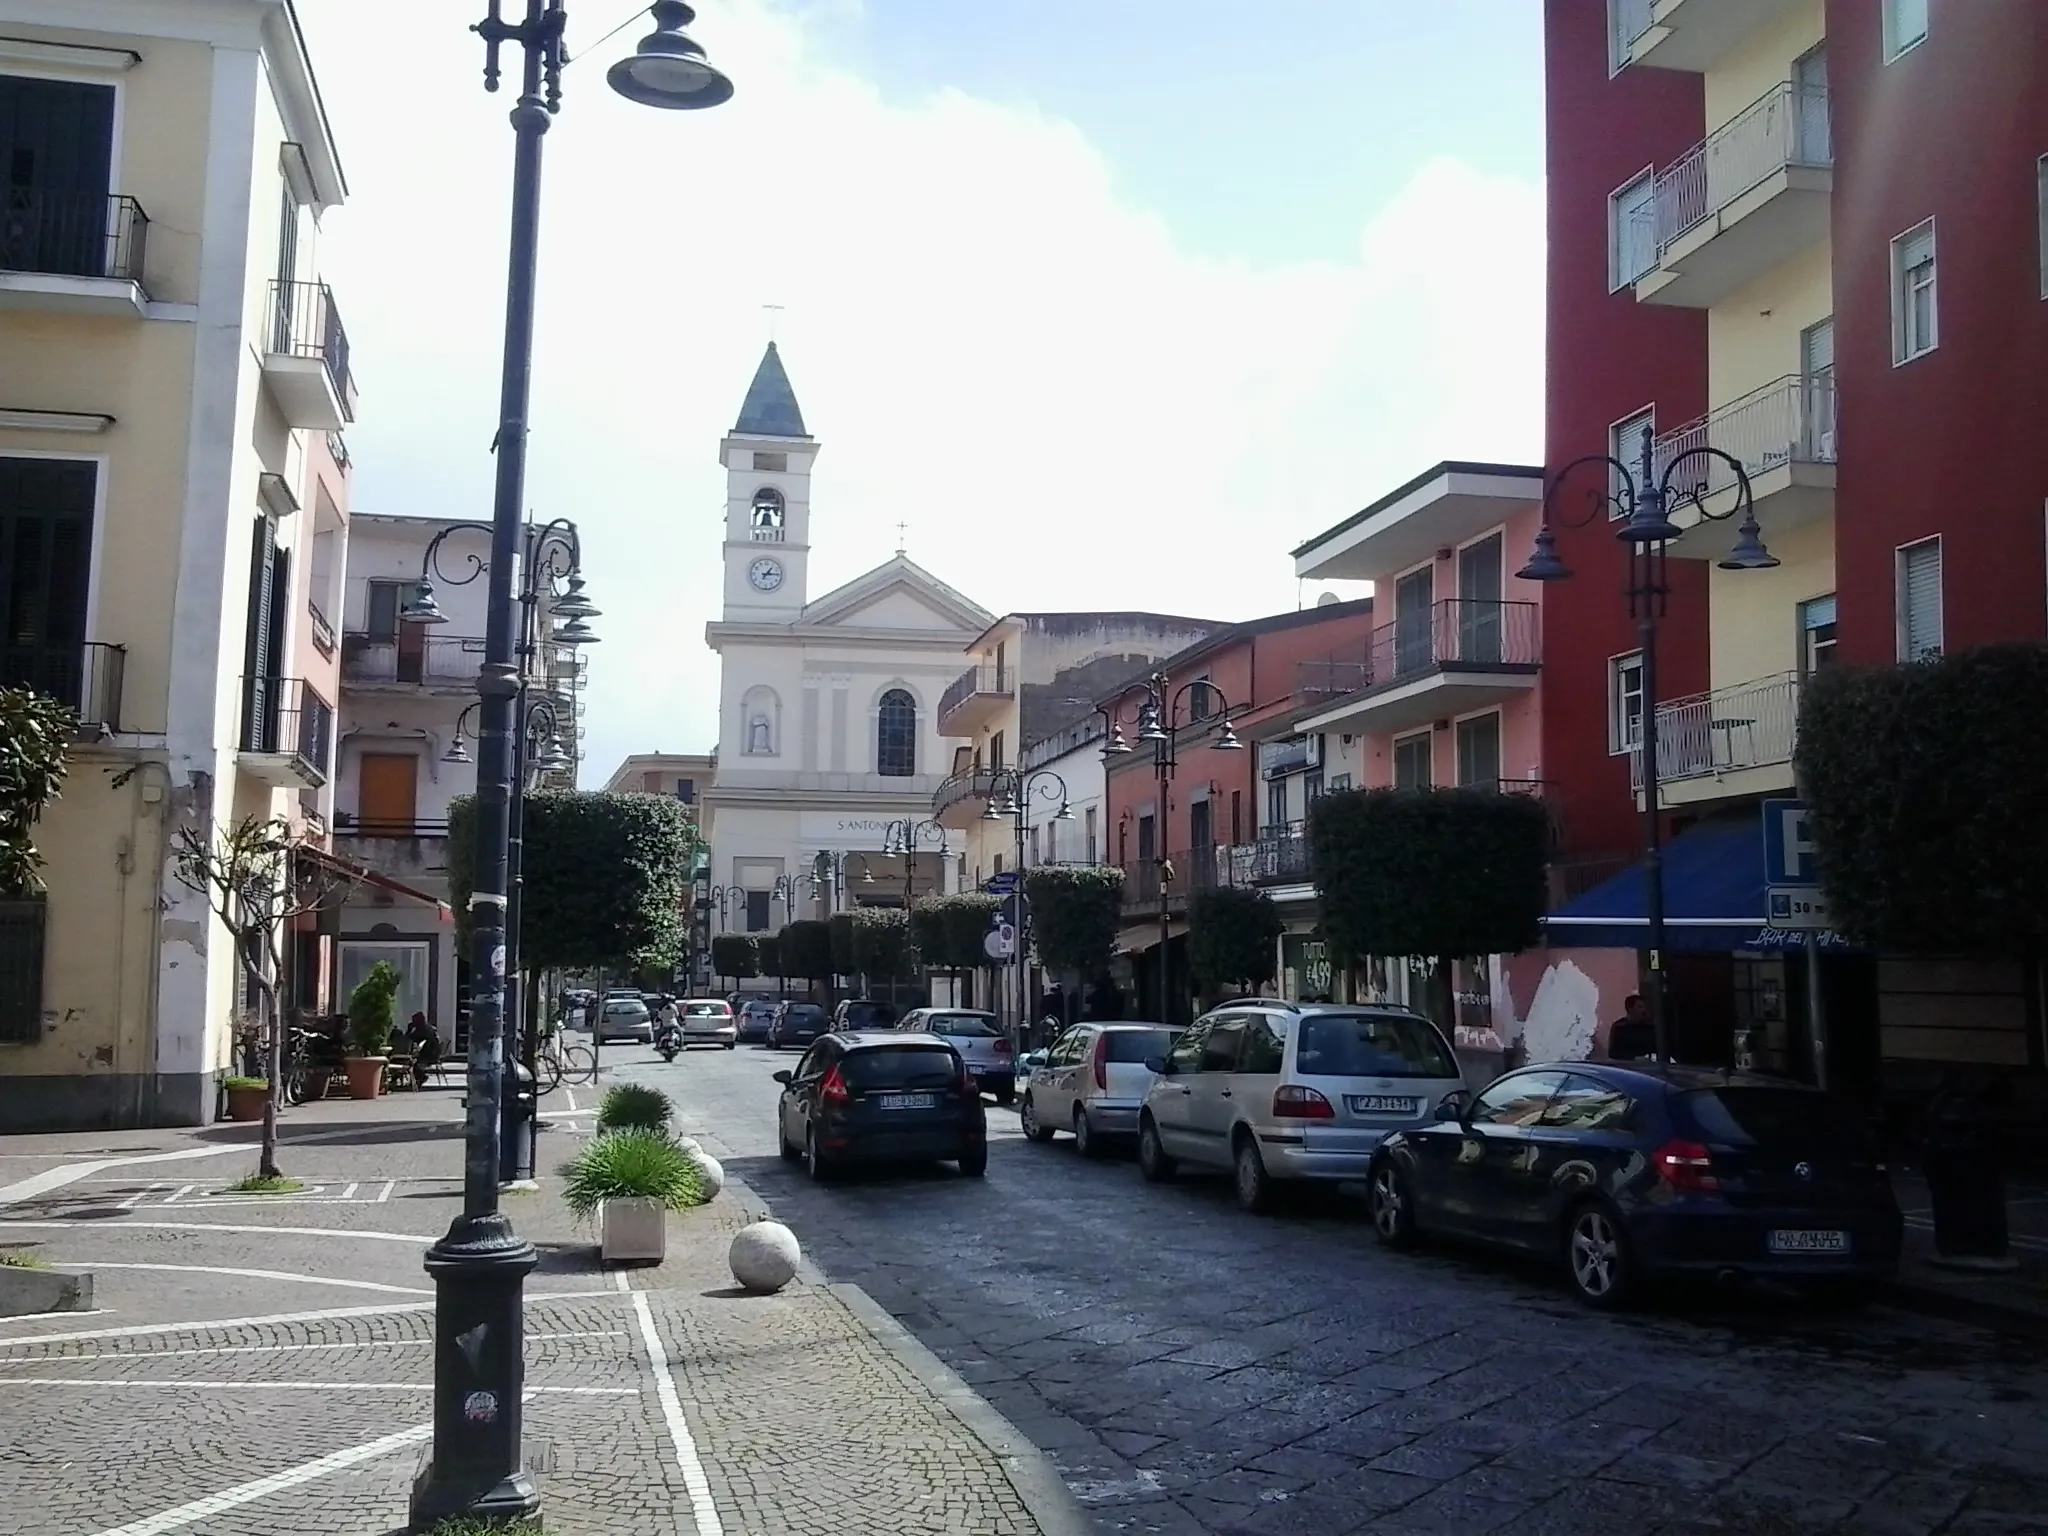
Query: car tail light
[(1298, 1103), (1102, 1061), (1003, 1047), (833, 1089), (1686, 1166)]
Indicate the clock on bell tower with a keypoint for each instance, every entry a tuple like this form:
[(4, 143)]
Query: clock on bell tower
[(767, 458)]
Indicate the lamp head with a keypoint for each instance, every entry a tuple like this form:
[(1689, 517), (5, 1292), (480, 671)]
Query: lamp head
[(668, 69), (456, 753), (575, 603), (573, 633), (1228, 741), (421, 607), (1544, 564), (1749, 553), (1116, 746)]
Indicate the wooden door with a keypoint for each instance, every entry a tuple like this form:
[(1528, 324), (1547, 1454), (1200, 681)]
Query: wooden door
[(387, 795)]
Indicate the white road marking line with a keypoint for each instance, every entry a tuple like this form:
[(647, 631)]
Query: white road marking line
[(301, 1349), (200, 1325), (275, 1274), (569, 1094), (288, 1386), (71, 1173), (702, 1508), (222, 1226), (188, 1515), (621, 1281)]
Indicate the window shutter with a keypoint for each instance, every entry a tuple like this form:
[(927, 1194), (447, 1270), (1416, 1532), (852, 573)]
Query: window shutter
[(1916, 250), (259, 692), (1920, 602)]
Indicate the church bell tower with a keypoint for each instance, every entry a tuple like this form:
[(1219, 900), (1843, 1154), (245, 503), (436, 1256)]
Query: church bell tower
[(767, 458)]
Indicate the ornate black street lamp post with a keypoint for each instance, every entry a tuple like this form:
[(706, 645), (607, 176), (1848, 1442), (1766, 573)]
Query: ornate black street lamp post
[(478, 1465), (1019, 789), (903, 837), (1640, 500)]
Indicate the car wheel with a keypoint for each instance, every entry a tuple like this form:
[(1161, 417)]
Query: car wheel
[(732, 1045), (1153, 1162), (1086, 1142), (975, 1164), (1597, 1257), (814, 1160), (1027, 1118), (1254, 1184), (1388, 1203)]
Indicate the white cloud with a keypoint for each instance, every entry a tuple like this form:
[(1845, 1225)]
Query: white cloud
[(993, 343)]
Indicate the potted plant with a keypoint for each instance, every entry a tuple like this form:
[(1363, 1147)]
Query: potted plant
[(372, 1016), (633, 1107), (246, 1097), (628, 1181)]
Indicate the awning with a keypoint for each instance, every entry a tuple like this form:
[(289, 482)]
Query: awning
[(1714, 900), (362, 874)]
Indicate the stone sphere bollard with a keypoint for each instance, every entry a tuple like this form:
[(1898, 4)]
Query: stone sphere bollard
[(690, 1145), (709, 1174), (764, 1256)]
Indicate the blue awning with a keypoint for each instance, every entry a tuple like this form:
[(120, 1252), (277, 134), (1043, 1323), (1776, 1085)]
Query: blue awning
[(1714, 900)]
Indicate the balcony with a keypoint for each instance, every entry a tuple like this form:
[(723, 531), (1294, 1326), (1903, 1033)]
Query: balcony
[(1279, 857), (76, 253), (1751, 195), (305, 357), (957, 803), (287, 735), (974, 699), (393, 847), (1785, 437), (412, 659), (86, 678), (1732, 741), (1456, 655), (1695, 35)]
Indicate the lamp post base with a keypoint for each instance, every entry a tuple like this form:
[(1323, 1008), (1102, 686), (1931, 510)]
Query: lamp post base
[(477, 1467)]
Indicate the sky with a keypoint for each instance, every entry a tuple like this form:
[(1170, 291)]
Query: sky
[(1112, 302)]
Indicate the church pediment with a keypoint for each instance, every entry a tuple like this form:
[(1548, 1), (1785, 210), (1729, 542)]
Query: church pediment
[(901, 596)]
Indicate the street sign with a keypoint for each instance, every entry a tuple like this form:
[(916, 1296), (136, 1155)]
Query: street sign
[(1004, 884), (1000, 943), (1788, 844), (1801, 908)]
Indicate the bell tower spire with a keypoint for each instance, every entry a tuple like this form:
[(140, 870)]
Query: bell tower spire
[(767, 458)]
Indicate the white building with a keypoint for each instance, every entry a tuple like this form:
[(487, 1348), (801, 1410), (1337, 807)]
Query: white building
[(827, 715)]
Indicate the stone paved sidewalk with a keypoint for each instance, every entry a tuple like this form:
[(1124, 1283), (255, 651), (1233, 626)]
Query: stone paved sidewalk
[(809, 1412)]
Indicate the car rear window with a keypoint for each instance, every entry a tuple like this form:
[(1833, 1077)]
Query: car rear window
[(1763, 1116), (1371, 1045), (870, 1013), (706, 1010), (968, 1026), (1137, 1044), (900, 1066), (809, 1013)]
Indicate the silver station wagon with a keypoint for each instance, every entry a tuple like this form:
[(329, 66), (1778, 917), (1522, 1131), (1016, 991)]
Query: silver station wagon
[(1277, 1092)]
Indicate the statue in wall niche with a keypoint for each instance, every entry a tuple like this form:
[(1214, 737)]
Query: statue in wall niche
[(759, 742)]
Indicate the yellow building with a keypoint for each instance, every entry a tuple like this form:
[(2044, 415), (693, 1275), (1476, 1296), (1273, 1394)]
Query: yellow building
[(173, 380), (1739, 227)]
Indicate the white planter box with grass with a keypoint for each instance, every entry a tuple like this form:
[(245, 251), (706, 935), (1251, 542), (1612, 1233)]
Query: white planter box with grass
[(631, 1175), (633, 1230)]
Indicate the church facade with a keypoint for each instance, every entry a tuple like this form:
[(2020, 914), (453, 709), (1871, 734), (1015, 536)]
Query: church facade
[(828, 705)]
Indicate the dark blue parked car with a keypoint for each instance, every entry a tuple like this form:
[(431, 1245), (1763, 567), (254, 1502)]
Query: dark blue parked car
[(1630, 1173)]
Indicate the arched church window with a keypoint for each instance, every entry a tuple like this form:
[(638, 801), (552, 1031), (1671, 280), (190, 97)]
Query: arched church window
[(767, 507), (896, 735)]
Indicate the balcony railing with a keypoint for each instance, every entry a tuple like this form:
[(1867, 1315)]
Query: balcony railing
[(1752, 725), (1453, 635), (423, 659), (305, 323), (975, 784), (995, 682), (72, 234), (337, 449), (765, 535), (85, 678), (282, 717), (1787, 127), (323, 629), (1789, 421), (349, 825), (1279, 857)]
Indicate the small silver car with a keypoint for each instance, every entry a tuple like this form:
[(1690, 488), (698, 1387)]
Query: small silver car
[(980, 1041), (1278, 1092), (708, 1021), (1093, 1082), (625, 1018)]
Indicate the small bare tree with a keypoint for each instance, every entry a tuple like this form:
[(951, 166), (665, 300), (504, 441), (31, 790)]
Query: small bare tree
[(254, 878)]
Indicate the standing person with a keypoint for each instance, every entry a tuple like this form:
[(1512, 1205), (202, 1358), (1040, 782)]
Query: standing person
[(1633, 1036)]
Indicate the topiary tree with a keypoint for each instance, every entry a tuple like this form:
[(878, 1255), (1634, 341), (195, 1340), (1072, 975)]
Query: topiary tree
[(1927, 791), (1233, 939), (735, 956), (1075, 914), (35, 738), (1435, 873), (373, 1010), (950, 932), (768, 955), (881, 944), (807, 950), (606, 878)]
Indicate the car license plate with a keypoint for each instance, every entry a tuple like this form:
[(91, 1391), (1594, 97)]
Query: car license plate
[(1809, 1242), (905, 1101), (1381, 1104)]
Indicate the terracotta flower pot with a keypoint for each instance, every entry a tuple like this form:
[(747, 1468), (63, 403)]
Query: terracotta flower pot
[(247, 1103), (366, 1077)]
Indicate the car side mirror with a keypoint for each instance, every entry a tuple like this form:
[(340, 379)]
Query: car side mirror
[(1159, 1066), (1451, 1107), (785, 1078)]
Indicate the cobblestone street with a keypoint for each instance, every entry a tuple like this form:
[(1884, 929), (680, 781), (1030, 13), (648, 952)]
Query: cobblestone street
[(1195, 1370)]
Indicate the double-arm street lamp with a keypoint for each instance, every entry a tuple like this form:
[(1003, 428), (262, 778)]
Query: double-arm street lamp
[(1018, 790), (1159, 724), (478, 1466), (1641, 500), (902, 838)]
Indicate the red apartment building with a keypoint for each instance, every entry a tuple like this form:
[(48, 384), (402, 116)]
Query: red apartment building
[(1812, 234)]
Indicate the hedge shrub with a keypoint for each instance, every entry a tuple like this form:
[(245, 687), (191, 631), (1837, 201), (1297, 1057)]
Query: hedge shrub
[(1075, 915)]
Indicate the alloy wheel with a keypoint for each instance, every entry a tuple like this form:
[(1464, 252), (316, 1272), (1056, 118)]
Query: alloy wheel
[(1084, 1134), (1595, 1254), (1389, 1209), (1027, 1118)]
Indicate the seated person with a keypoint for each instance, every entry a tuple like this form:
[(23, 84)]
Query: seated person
[(426, 1045)]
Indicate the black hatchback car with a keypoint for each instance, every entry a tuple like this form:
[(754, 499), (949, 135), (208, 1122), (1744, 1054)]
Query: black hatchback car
[(797, 1024), (881, 1098), (1628, 1174)]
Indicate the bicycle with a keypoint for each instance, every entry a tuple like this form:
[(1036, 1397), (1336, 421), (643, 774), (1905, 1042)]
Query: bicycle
[(296, 1062)]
